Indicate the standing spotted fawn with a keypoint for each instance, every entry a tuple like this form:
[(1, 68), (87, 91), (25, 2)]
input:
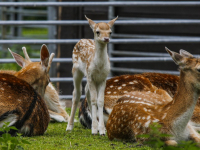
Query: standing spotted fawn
[(134, 112), (22, 95), (90, 59)]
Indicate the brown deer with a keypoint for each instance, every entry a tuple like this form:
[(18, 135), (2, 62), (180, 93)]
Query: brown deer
[(51, 97), (134, 112), (90, 59), (22, 95)]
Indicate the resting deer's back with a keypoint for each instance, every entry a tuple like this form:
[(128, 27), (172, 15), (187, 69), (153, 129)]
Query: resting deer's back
[(21, 102)]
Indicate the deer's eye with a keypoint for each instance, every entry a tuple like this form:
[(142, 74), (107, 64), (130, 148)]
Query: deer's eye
[(98, 32), (198, 70)]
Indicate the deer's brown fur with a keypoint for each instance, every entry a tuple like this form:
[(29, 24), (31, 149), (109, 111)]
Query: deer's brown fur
[(51, 96), (29, 108), (22, 95), (134, 112)]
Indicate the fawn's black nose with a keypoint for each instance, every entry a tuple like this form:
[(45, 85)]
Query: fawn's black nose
[(106, 39)]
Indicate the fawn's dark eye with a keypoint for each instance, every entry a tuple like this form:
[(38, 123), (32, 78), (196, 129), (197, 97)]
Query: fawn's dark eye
[(98, 32), (198, 70)]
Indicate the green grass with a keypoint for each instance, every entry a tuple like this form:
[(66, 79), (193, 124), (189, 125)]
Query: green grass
[(34, 31), (56, 138)]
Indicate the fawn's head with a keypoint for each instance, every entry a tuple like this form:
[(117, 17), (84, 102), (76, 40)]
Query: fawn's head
[(102, 30), (35, 73), (189, 66)]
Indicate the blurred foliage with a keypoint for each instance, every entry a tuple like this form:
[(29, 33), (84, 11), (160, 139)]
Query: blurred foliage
[(154, 140), (8, 142)]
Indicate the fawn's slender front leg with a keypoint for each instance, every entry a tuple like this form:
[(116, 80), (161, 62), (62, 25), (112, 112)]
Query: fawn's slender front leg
[(77, 77), (100, 104), (93, 96)]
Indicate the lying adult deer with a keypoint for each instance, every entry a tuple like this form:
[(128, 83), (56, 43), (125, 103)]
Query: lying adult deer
[(134, 112), (22, 95), (90, 59), (51, 97)]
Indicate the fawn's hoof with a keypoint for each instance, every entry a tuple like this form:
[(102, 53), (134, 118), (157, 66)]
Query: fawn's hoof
[(102, 132), (69, 128), (94, 131)]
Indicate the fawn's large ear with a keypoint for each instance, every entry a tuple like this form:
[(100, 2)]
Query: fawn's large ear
[(111, 23), (50, 61), (26, 54), (19, 59), (178, 59), (44, 56), (91, 23), (185, 53)]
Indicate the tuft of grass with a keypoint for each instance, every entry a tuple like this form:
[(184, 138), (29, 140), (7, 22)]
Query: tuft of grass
[(56, 138)]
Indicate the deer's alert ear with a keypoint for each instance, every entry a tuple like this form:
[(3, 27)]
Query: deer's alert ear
[(44, 56), (111, 23), (46, 60), (91, 23), (18, 58), (26, 54), (178, 59), (185, 53)]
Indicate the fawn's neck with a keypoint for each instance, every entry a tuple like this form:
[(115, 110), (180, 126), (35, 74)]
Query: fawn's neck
[(180, 110), (100, 52)]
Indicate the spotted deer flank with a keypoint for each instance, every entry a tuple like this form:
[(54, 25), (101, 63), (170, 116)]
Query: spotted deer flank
[(118, 86), (90, 59), (22, 95), (134, 112)]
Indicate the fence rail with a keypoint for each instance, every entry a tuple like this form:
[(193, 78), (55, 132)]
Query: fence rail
[(133, 39), (112, 59), (114, 41), (132, 70), (103, 4), (118, 22)]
